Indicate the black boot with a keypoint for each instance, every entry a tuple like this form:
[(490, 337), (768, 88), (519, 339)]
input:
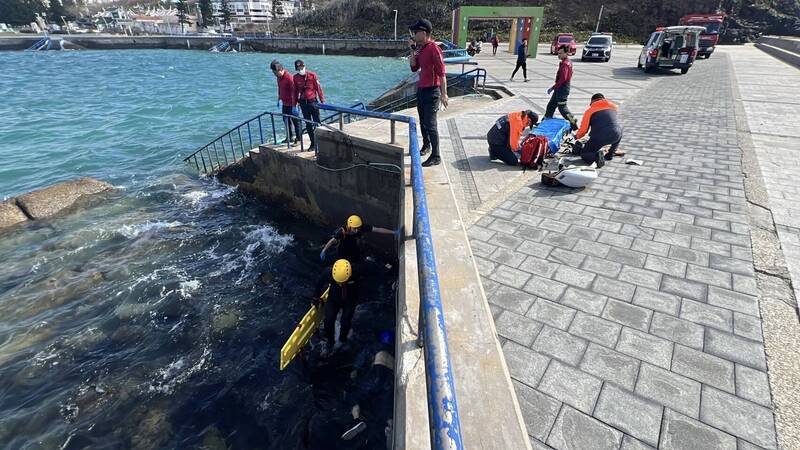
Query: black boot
[(425, 149), (433, 160)]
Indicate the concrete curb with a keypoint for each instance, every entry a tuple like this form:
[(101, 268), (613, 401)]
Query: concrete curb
[(779, 53)]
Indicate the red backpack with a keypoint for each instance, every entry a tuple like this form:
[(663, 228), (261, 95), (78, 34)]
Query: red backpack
[(532, 152)]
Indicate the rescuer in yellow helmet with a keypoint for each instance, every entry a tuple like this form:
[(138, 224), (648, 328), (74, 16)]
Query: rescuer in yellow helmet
[(348, 239), (342, 288)]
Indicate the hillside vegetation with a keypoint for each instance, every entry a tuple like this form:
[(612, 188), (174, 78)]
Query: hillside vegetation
[(631, 19)]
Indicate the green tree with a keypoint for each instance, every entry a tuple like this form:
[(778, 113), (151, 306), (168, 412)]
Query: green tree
[(183, 12), (20, 12), (206, 13), (56, 11), (225, 13)]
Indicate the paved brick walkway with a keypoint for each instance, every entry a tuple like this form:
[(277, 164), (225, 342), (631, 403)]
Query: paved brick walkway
[(629, 312)]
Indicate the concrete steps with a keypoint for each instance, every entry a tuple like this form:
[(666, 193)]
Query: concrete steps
[(783, 48)]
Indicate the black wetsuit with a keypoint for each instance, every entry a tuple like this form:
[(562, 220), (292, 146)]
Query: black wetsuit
[(341, 297), (350, 244)]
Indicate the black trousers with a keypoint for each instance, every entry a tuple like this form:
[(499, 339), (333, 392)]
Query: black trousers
[(292, 124), (591, 150), (559, 100), (427, 105), (498, 145), (310, 112), (332, 308), (524, 66)]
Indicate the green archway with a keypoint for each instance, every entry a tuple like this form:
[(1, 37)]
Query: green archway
[(527, 20)]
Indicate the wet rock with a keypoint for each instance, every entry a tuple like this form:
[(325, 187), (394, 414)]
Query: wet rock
[(129, 311), (153, 430), (10, 214), (265, 278), (213, 440), (224, 321), (52, 200), (23, 342), (127, 334)]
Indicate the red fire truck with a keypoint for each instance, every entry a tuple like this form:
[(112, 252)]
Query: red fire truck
[(709, 38)]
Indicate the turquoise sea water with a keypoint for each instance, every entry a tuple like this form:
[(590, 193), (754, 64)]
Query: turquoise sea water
[(152, 316)]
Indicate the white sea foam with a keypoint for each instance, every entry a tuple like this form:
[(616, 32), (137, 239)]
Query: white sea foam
[(131, 231), (177, 372), (187, 287)]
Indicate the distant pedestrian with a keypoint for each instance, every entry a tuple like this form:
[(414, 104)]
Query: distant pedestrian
[(522, 60), (309, 94), (495, 44), (287, 99), (426, 58), (560, 90)]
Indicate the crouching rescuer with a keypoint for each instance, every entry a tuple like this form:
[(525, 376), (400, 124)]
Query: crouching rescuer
[(504, 136), (601, 123)]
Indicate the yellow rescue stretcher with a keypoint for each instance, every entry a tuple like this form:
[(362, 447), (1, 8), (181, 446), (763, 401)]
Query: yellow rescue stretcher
[(303, 331)]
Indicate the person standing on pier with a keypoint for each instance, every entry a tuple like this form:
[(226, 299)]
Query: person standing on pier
[(309, 94), (560, 90), (287, 98), (427, 59), (522, 60), (495, 44)]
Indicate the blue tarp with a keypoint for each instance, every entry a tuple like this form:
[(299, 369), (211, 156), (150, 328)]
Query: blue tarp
[(554, 130)]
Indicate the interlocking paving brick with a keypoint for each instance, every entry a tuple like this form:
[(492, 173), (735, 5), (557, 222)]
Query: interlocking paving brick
[(536, 249), (524, 364), (689, 255), (517, 328), (560, 345), (539, 411), (693, 230), (629, 443), (707, 315), (482, 249), (650, 247), (571, 386), (484, 266), (709, 276), (566, 257), (703, 367), (657, 301), (747, 326), (611, 366), (574, 277), (545, 288), (560, 240), (595, 329), (512, 299), (677, 330), (683, 433), (646, 347), (538, 445), (601, 266), (659, 224), (665, 265), (527, 219), (614, 288), (673, 238), (745, 284), (592, 248), (506, 241), (669, 389), (574, 430), (684, 288), (627, 314), (503, 226), (538, 266), (630, 413), (732, 265), (507, 257), (731, 238), (481, 233), (585, 301), (627, 257), (551, 313), (615, 240), (753, 385), (738, 417), (640, 277), (735, 301), (510, 276), (735, 348), (709, 246)]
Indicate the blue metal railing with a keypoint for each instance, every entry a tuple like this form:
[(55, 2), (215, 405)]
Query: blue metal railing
[(40, 44), (445, 424), (221, 47), (471, 82)]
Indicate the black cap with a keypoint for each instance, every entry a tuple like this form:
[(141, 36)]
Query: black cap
[(422, 25), (299, 63)]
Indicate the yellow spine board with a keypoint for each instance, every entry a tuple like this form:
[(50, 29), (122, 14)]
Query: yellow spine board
[(303, 331)]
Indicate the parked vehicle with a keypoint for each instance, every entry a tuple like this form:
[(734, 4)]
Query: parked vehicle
[(598, 46), (564, 39), (708, 38), (670, 48)]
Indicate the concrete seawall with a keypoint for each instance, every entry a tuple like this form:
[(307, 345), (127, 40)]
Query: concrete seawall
[(358, 47)]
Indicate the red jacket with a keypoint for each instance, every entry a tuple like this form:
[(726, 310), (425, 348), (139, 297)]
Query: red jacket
[(564, 74), (286, 89), (430, 64), (307, 87)]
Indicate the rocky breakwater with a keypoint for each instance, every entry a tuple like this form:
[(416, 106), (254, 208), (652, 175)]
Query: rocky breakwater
[(48, 202)]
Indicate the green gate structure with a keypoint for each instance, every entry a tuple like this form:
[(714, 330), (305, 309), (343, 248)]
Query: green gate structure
[(526, 22)]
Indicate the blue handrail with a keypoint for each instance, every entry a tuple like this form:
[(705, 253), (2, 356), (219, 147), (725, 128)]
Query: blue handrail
[(445, 424)]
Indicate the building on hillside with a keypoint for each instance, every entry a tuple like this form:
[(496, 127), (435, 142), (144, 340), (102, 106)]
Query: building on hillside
[(258, 11)]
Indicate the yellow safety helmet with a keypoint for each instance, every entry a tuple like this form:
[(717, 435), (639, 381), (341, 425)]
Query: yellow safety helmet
[(354, 222), (342, 270)]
